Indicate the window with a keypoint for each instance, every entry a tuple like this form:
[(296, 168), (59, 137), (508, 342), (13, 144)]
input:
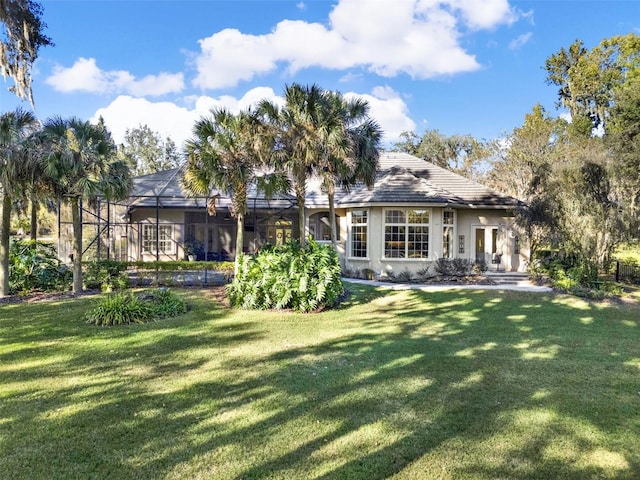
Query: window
[(406, 233), (448, 233), (165, 238), (359, 227), (516, 245), (460, 243), (320, 227)]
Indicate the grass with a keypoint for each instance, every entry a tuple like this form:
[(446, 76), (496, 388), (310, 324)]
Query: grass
[(402, 385)]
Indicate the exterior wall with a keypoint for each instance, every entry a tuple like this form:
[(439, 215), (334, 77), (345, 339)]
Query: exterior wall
[(478, 233), (147, 216), (494, 229), (507, 242)]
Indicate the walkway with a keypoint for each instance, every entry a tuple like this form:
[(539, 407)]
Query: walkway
[(513, 282)]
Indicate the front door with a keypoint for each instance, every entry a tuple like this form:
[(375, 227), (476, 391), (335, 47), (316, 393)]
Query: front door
[(488, 243)]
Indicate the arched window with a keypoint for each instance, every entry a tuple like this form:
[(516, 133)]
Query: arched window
[(320, 227)]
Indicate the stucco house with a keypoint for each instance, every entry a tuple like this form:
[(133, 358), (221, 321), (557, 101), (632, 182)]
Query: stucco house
[(415, 213)]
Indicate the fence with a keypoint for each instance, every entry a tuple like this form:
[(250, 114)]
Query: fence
[(627, 272)]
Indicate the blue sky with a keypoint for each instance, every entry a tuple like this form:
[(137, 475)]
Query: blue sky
[(458, 66)]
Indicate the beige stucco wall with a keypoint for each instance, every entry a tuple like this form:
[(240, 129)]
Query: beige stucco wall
[(142, 216), (469, 223)]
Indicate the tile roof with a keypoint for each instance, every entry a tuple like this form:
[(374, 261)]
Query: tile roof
[(401, 179)]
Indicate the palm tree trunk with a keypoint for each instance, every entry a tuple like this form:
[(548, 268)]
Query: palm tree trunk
[(35, 206), (332, 216), (239, 240), (77, 245), (301, 222), (4, 245)]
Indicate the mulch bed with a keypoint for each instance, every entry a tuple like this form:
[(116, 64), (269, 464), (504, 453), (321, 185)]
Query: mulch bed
[(45, 296)]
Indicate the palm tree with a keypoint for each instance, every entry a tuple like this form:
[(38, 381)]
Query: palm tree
[(226, 153), (15, 129), (350, 143), (81, 160), (298, 138)]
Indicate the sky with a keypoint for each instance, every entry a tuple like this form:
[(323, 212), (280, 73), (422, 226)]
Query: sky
[(463, 67)]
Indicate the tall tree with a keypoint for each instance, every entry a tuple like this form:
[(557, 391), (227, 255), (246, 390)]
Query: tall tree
[(350, 142), (81, 159), (22, 37), (15, 129), (524, 168), (588, 79), (624, 140), (227, 152), (592, 223), (146, 152), (298, 147)]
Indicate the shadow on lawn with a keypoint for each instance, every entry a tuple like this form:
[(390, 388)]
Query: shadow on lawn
[(498, 378)]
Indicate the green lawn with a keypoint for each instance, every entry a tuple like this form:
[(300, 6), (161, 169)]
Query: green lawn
[(402, 385)]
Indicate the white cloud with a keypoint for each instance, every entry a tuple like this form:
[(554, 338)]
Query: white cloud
[(484, 14), (416, 37), (389, 110), (166, 118), (169, 119), (520, 41), (85, 76)]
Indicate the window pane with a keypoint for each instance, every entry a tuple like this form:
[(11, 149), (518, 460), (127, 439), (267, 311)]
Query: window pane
[(395, 241), (419, 216), (447, 218), (418, 242), (358, 216), (359, 233), (394, 216), (148, 238), (447, 242)]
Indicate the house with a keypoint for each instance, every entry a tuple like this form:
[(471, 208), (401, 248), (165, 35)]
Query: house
[(415, 213)]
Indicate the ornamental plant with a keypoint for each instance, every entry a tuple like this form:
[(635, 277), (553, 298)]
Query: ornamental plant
[(288, 277), (126, 307)]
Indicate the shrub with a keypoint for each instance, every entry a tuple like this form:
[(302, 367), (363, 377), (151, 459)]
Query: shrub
[(453, 267), (124, 308), (120, 308), (107, 275), (404, 277), (424, 273), (480, 266), (288, 276), (35, 266), (165, 303)]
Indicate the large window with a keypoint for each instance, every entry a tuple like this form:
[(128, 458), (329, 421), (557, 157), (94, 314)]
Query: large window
[(359, 227), (448, 233), (165, 238), (406, 233)]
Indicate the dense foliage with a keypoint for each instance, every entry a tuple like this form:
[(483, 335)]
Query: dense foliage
[(453, 267), (34, 266), (106, 275), (290, 276), (572, 274), (123, 308)]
